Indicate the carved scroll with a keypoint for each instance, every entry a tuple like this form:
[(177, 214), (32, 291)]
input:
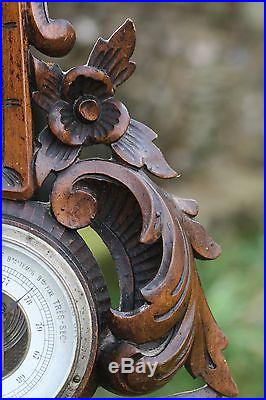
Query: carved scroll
[(153, 237), (24, 23), (54, 38), (174, 305)]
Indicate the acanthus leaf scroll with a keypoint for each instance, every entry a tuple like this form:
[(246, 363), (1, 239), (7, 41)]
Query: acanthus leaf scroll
[(163, 315)]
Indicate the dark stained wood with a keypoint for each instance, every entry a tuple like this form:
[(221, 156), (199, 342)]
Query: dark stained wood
[(54, 38), (163, 315), (52, 156), (24, 23), (136, 148), (36, 218), (113, 55), (17, 115), (174, 306), (69, 97)]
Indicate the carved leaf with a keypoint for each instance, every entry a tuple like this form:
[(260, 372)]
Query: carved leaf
[(188, 206), (203, 244), (173, 301), (10, 178), (53, 155), (112, 55), (206, 359), (136, 147), (48, 81)]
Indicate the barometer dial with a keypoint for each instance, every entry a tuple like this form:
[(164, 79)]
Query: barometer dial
[(49, 306)]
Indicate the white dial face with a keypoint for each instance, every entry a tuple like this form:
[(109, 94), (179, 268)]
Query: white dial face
[(44, 309)]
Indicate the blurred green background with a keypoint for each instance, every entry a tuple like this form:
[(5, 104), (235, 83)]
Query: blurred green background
[(198, 84)]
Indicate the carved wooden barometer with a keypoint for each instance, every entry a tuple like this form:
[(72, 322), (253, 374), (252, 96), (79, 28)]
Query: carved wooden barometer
[(60, 333)]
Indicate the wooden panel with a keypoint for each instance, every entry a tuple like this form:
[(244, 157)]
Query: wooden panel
[(17, 116)]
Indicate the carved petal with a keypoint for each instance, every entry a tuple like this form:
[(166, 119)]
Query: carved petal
[(52, 156), (112, 55), (75, 82), (63, 125), (136, 148), (203, 244), (48, 81), (115, 120)]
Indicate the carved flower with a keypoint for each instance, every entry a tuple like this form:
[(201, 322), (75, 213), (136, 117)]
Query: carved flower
[(81, 109), (87, 113)]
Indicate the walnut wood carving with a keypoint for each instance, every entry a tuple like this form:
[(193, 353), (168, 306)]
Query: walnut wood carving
[(54, 38), (173, 306), (153, 237), (23, 24), (17, 119)]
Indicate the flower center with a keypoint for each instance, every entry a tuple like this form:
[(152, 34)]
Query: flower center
[(89, 109)]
